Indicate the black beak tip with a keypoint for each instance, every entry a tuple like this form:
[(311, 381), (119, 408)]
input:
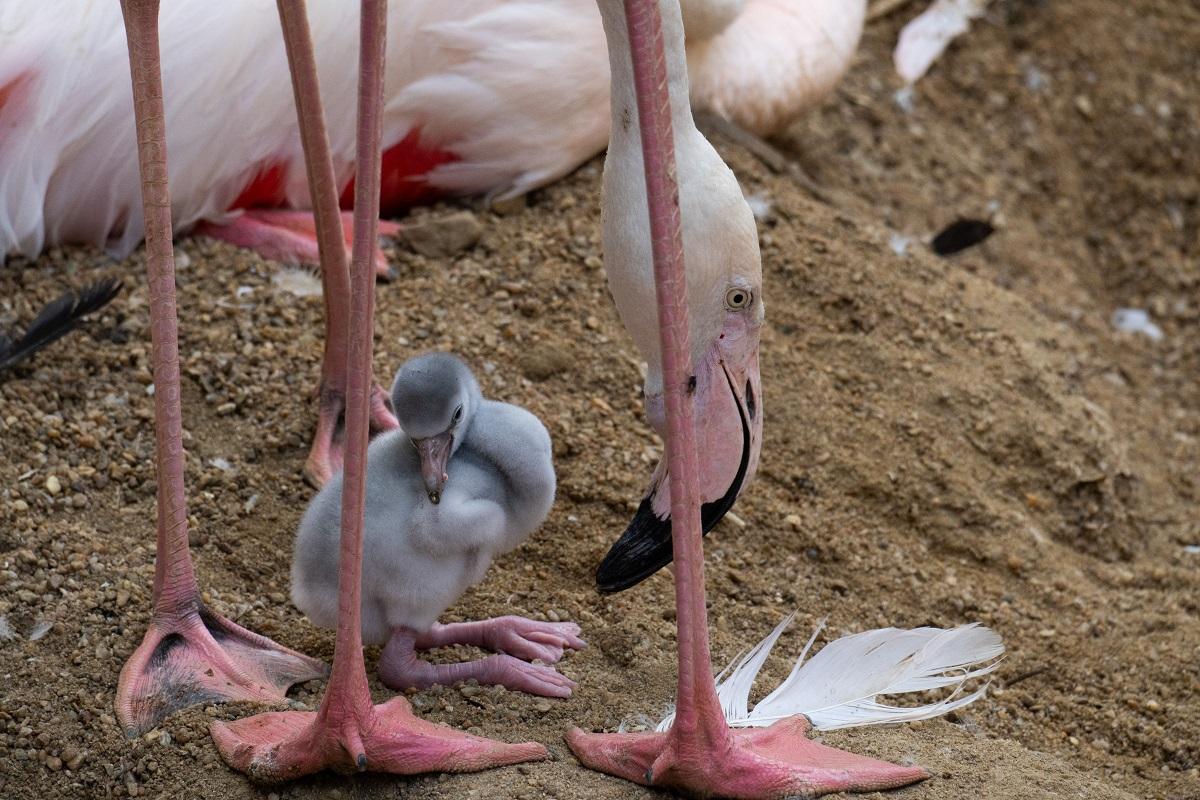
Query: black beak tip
[(645, 546), (642, 550)]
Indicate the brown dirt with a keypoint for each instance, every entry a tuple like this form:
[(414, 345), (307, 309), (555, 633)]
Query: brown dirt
[(946, 440)]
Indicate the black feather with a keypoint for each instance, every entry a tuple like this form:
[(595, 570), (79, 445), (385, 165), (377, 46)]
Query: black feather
[(961, 234), (56, 319)]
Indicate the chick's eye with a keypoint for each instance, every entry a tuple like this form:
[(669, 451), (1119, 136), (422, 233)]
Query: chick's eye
[(458, 414), (737, 298)]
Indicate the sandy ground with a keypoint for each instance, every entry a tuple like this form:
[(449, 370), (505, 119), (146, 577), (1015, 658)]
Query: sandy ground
[(947, 440)]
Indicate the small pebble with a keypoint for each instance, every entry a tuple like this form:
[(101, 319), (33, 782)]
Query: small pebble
[(53, 486), (445, 236)]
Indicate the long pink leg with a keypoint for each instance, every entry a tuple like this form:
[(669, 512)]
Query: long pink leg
[(325, 457), (347, 733), (400, 668), (189, 654), (516, 636), (700, 754)]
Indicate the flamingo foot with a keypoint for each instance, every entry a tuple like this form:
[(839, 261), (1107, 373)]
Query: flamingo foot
[(290, 236), (284, 745), (196, 656), (325, 457), (759, 763)]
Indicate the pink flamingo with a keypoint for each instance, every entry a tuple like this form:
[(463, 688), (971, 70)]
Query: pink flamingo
[(491, 97), (699, 754), (190, 654), (487, 97)]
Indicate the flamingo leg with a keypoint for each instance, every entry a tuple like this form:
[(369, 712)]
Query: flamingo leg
[(326, 456), (700, 755), (347, 733), (189, 654)]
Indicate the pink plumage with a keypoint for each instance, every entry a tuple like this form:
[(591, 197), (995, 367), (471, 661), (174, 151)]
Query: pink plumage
[(488, 97)]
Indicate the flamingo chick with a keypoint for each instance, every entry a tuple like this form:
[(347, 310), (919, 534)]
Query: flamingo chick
[(465, 480)]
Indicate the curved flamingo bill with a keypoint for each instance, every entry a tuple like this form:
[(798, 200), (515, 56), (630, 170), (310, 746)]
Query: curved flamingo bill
[(645, 546)]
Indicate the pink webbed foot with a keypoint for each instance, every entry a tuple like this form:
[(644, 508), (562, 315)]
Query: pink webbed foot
[(759, 763), (283, 745), (325, 457), (527, 639), (289, 236), (200, 657)]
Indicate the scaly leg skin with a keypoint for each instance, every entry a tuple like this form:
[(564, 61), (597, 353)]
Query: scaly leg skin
[(328, 448), (400, 668), (195, 656), (189, 654), (700, 755), (326, 456), (517, 636), (347, 733), (288, 236)]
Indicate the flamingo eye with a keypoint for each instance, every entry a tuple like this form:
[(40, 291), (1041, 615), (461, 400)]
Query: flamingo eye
[(458, 414), (737, 298)]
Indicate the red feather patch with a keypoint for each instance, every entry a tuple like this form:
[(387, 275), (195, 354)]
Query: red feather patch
[(405, 167)]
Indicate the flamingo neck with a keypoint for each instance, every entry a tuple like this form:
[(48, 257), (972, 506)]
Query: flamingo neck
[(627, 253), (625, 136)]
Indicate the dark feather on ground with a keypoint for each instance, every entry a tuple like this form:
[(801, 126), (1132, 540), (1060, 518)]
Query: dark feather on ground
[(56, 319), (960, 235)]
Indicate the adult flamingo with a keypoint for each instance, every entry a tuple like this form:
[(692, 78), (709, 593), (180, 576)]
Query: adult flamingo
[(486, 97), (189, 654), (491, 97), (707, 345)]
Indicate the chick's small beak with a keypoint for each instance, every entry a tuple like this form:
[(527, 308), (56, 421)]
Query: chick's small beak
[(434, 452)]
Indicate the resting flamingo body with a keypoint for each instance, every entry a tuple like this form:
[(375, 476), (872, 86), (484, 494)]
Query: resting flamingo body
[(482, 97)]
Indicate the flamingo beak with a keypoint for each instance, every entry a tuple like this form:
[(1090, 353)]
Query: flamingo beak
[(728, 430), (434, 452)]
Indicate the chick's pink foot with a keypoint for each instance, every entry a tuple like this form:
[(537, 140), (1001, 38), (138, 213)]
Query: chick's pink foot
[(289, 237), (196, 656), (759, 764), (400, 668), (284, 745), (527, 639)]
